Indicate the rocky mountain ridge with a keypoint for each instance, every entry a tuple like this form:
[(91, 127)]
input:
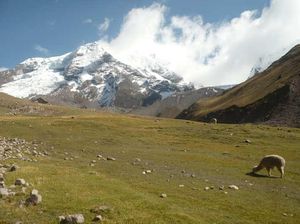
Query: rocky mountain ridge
[(90, 77)]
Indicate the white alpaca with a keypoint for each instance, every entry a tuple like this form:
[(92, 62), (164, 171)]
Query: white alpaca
[(269, 162)]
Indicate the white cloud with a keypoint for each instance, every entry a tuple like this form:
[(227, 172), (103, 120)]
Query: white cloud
[(41, 49), (88, 20), (104, 26), (3, 69), (203, 53)]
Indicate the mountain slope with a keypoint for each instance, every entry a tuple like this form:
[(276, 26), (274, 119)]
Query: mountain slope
[(90, 77), (271, 96), (172, 106)]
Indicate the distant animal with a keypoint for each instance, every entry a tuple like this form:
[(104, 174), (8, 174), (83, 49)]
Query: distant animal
[(269, 162), (214, 120)]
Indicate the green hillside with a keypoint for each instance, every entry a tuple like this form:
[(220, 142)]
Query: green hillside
[(184, 157), (272, 95)]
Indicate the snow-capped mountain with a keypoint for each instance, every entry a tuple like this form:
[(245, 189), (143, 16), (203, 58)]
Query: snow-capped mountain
[(90, 77)]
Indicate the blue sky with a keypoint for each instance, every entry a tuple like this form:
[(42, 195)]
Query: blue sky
[(38, 28)]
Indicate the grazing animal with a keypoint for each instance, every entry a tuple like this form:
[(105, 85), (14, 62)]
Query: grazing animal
[(269, 162)]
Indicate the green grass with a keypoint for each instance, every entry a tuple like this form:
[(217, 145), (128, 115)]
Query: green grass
[(214, 153)]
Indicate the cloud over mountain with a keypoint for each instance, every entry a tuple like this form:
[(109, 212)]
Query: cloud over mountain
[(205, 53)]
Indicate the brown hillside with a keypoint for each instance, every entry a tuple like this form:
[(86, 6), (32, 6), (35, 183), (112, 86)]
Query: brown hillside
[(272, 96)]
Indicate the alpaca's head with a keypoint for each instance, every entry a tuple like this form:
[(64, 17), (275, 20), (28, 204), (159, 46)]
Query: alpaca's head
[(255, 169)]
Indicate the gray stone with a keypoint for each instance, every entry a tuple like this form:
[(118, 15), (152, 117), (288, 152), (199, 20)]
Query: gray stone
[(33, 199), (101, 209), (13, 168), (111, 158), (4, 192), (98, 218), (234, 187), (34, 192), (71, 219), (20, 182), (163, 195), (221, 188), (248, 141), (2, 184)]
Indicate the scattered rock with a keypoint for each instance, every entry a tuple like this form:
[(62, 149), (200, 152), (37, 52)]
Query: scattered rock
[(34, 192), (4, 192), (71, 219), (15, 148), (98, 218), (137, 160), (34, 198), (13, 168), (248, 141), (111, 158), (181, 185), (61, 218), (20, 182), (206, 188), (221, 188), (102, 209), (234, 187), (163, 195)]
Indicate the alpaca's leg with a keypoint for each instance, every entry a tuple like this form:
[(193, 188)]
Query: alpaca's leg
[(281, 170), (269, 171)]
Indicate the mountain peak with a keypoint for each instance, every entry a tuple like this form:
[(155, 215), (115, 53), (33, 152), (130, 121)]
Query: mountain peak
[(91, 76)]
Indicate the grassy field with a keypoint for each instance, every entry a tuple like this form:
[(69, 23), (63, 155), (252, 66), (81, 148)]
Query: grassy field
[(178, 152)]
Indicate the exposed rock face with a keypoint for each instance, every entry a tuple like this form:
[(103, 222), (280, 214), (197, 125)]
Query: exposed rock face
[(172, 105)]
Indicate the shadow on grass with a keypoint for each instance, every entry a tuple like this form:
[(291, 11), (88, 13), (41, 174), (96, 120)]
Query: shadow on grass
[(259, 175)]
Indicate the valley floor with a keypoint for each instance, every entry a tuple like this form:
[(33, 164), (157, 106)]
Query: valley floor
[(184, 157)]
